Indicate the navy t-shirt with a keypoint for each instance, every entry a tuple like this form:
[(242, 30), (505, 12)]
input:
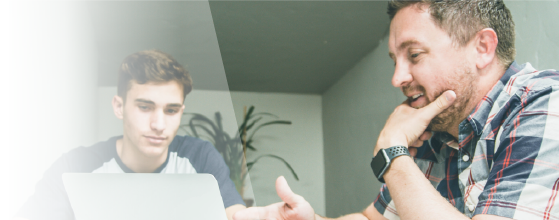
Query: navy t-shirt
[(186, 155)]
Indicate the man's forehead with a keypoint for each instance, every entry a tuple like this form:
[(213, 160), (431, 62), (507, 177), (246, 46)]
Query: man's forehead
[(156, 93), (407, 27)]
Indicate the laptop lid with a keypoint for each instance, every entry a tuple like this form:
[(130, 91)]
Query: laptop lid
[(139, 196)]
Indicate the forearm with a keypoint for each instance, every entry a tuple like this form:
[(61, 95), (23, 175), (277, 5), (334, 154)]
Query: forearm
[(414, 196)]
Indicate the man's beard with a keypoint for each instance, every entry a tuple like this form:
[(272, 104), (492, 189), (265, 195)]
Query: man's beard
[(462, 83)]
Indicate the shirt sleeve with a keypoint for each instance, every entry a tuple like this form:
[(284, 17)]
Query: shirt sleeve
[(524, 177), (215, 165), (384, 204), (49, 201)]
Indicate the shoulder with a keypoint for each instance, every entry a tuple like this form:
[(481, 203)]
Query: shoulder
[(528, 81), (201, 154), (527, 91), (186, 146), (87, 159)]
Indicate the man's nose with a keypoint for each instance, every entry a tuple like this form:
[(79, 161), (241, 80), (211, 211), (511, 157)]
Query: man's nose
[(158, 121), (402, 76)]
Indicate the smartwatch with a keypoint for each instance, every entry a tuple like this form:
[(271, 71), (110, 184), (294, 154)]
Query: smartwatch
[(382, 160)]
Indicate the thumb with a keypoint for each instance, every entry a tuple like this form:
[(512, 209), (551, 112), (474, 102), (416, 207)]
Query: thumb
[(440, 104), (285, 193)]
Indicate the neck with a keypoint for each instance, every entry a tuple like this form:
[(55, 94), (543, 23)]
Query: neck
[(488, 78), (136, 160)]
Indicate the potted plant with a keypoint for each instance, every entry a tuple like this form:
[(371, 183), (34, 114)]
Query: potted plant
[(233, 149)]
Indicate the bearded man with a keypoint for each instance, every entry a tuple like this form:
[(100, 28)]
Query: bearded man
[(477, 137)]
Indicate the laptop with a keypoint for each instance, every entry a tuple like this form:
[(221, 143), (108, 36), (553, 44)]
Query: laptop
[(139, 196)]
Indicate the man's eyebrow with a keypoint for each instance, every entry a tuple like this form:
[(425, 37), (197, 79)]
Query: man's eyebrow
[(170, 105), (174, 105), (145, 101), (403, 46), (407, 43)]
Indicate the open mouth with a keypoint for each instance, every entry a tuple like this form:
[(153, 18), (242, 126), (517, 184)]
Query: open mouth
[(416, 96), (417, 100)]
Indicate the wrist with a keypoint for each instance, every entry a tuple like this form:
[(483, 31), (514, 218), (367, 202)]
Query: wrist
[(383, 159), (398, 167), (385, 141)]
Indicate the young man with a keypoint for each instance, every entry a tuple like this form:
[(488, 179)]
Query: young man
[(481, 129), (150, 101)]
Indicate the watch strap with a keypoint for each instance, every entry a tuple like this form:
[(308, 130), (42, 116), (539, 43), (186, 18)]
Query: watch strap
[(397, 151), (391, 153)]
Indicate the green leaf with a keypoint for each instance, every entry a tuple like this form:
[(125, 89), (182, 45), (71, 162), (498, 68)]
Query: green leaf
[(249, 146), (249, 112), (246, 119), (284, 122), (249, 165), (253, 123)]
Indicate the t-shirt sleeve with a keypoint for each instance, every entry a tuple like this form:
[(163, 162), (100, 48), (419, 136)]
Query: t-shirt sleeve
[(215, 165), (49, 201), (524, 178)]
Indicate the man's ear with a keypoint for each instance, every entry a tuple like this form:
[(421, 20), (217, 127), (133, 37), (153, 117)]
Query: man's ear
[(118, 106), (486, 46)]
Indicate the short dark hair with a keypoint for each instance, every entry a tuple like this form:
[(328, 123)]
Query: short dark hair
[(462, 19), (151, 66)]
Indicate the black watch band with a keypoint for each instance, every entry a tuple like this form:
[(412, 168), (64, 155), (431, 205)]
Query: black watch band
[(381, 162), (397, 151)]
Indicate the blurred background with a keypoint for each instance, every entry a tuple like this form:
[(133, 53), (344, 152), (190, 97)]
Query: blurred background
[(322, 65)]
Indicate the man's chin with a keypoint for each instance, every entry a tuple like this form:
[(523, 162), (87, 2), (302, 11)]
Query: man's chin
[(154, 151)]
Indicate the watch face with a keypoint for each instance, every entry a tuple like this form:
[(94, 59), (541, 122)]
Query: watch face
[(378, 163)]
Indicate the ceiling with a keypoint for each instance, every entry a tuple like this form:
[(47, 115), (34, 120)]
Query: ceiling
[(260, 46)]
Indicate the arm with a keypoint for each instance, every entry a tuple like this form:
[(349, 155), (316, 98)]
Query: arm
[(410, 190), (295, 207)]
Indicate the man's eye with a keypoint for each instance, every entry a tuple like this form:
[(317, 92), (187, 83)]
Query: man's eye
[(172, 111), (143, 107), (414, 55)]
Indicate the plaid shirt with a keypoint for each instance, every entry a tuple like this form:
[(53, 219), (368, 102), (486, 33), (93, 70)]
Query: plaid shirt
[(506, 160)]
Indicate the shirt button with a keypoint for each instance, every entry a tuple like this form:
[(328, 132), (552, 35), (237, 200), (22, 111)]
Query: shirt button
[(466, 158), (471, 207)]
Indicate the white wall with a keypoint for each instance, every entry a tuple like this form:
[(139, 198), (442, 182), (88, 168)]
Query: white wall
[(354, 112), (48, 92), (300, 143), (357, 106), (537, 32)]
